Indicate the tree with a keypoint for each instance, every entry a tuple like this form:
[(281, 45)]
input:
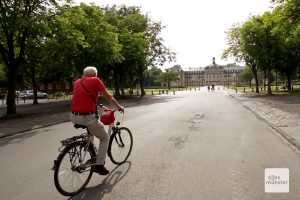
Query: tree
[(266, 45), (241, 49), (158, 52), (18, 19), (168, 77), (142, 46), (257, 45), (83, 37), (287, 18), (36, 55), (135, 50), (152, 76), (269, 42), (246, 75), (131, 25)]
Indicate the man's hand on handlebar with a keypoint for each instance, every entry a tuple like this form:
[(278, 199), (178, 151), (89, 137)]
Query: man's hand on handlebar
[(121, 109)]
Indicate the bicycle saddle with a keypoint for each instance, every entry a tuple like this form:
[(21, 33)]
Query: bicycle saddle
[(79, 126)]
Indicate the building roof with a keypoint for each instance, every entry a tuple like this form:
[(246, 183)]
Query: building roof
[(175, 68), (237, 67), (214, 65), (196, 69)]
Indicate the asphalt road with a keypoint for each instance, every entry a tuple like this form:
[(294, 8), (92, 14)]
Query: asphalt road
[(194, 145)]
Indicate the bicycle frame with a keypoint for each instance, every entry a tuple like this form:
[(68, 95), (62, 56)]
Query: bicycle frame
[(78, 156), (89, 141), (88, 138), (82, 167)]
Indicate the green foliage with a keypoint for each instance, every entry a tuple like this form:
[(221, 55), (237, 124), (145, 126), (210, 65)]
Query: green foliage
[(154, 75), (141, 45), (168, 76), (246, 75), (20, 21), (269, 42), (42, 41), (82, 37)]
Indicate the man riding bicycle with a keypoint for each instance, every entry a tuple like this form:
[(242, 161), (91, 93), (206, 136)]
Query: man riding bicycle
[(83, 111)]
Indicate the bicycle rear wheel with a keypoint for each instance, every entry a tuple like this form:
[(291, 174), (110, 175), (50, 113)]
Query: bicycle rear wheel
[(120, 145), (69, 177)]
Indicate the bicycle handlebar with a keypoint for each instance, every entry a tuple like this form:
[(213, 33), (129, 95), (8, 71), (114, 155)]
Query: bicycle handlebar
[(113, 110), (102, 106)]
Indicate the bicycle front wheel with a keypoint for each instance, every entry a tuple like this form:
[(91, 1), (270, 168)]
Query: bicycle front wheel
[(120, 145), (70, 177)]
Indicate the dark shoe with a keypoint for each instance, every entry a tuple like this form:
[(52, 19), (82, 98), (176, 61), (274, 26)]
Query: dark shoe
[(100, 169)]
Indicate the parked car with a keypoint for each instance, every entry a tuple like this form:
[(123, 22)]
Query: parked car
[(29, 94)]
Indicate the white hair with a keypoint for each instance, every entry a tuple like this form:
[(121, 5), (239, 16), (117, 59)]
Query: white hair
[(90, 71)]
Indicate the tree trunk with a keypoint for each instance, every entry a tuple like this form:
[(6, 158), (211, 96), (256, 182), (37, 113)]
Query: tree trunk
[(131, 90), (141, 84), (116, 84), (254, 71), (289, 80), (34, 85), (265, 78), (256, 84), (123, 92), (269, 77), (11, 95), (122, 85), (276, 80)]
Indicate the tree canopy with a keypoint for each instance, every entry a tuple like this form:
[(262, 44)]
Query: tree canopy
[(42, 41), (268, 42)]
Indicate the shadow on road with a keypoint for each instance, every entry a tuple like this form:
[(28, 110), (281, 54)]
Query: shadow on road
[(48, 114), (16, 138), (98, 192), (278, 98), (21, 137), (149, 101)]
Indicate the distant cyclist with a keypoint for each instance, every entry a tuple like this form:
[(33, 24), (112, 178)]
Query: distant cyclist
[(83, 111)]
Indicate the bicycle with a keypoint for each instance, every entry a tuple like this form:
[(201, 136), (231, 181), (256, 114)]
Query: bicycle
[(74, 166)]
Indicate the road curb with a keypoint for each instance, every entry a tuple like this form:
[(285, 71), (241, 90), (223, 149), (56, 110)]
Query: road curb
[(285, 135), (31, 129), (59, 120)]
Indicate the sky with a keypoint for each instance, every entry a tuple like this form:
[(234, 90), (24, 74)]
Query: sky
[(195, 29)]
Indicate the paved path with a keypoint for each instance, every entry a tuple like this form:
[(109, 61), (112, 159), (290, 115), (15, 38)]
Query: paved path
[(282, 113), (35, 116), (193, 145), (44, 114)]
